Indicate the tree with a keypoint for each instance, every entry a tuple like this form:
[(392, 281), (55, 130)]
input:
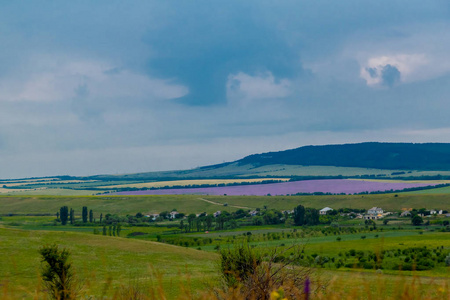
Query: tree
[(181, 225), (64, 214), (72, 216), (101, 218), (91, 216), (85, 214), (104, 230), (191, 219), (312, 216), (299, 215), (198, 224), (118, 229), (385, 221), (209, 221), (57, 273), (417, 220)]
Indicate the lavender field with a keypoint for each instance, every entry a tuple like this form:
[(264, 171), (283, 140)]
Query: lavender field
[(333, 186)]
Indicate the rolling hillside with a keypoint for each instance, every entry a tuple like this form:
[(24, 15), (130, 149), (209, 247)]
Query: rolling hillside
[(389, 156), (378, 159)]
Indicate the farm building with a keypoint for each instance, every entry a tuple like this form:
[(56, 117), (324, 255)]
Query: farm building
[(375, 211), (325, 210), (173, 214), (405, 213)]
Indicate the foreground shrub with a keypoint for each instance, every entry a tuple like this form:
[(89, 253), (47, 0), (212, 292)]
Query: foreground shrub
[(253, 275), (57, 273)]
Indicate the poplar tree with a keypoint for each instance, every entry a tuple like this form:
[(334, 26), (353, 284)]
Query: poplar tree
[(118, 229), (299, 215), (64, 214), (72, 216), (91, 216), (85, 214)]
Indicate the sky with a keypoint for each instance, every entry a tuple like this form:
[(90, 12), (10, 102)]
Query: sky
[(113, 87)]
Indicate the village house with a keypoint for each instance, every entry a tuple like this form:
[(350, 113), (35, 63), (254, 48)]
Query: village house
[(253, 213), (325, 210), (173, 214), (375, 211), (217, 213), (406, 213), (153, 217)]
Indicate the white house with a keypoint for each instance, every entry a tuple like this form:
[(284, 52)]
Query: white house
[(152, 216), (375, 211), (325, 210), (217, 213), (253, 213), (173, 214), (433, 212)]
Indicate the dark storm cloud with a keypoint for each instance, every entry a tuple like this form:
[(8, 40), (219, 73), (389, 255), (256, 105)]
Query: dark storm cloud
[(202, 45)]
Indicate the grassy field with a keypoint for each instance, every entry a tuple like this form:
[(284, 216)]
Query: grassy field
[(102, 262), (109, 264), (385, 201), (48, 192), (195, 204), (442, 190)]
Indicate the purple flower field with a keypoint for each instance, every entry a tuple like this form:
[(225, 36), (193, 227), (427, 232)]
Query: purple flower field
[(334, 186)]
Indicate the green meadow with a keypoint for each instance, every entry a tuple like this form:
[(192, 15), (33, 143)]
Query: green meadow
[(35, 205), (106, 265)]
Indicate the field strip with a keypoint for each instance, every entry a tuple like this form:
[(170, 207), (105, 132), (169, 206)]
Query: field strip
[(402, 181), (221, 204), (188, 182)]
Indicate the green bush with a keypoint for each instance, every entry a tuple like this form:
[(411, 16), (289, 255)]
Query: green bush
[(238, 264), (57, 273)]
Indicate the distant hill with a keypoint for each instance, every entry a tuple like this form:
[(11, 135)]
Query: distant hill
[(390, 156), (364, 160)]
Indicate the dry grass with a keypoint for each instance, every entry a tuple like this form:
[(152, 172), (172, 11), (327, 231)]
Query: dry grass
[(382, 287)]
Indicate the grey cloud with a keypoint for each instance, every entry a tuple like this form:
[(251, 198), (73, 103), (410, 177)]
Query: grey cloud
[(372, 72), (84, 106), (390, 75)]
